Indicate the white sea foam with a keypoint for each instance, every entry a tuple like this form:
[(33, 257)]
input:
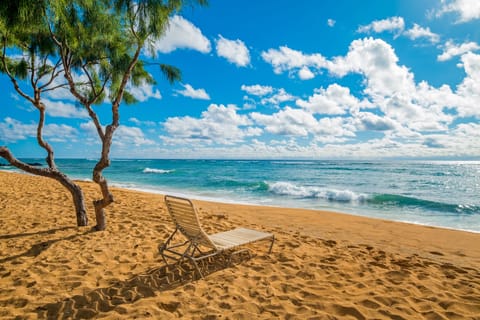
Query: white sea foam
[(289, 189), (161, 171)]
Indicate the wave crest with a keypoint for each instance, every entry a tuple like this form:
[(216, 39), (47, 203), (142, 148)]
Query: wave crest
[(160, 171), (289, 189)]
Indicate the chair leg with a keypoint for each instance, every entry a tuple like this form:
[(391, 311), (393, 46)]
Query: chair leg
[(197, 267)]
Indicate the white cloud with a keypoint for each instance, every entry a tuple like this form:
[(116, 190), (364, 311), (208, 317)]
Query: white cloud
[(336, 127), (257, 90), (298, 122), (333, 100), (143, 92), (269, 95), (451, 50), (419, 32), (372, 122), (467, 9), (127, 136), (377, 61), (331, 22), (289, 121), (235, 51), (279, 96), (189, 91), (305, 74), (124, 136), (286, 59), (12, 130), (64, 110), (182, 34), (60, 133), (219, 124), (142, 123), (396, 25), (405, 109), (393, 24), (469, 89)]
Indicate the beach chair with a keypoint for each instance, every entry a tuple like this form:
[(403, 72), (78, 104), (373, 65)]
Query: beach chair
[(186, 221)]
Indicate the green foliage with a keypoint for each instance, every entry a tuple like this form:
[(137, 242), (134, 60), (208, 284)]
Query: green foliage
[(128, 98), (171, 73), (97, 38), (20, 69)]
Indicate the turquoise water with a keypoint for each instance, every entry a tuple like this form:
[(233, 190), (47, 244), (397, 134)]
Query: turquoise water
[(444, 194)]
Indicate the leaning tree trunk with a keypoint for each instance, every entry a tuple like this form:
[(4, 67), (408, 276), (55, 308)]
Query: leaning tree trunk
[(53, 173)]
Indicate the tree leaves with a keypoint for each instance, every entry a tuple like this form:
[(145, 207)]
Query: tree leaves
[(171, 73)]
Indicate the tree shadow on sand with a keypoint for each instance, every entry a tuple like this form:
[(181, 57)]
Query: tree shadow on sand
[(27, 234), (38, 248), (145, 285)]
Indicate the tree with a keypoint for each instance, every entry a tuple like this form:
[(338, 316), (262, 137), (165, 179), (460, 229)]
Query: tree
[(29, 67), (101, 42)]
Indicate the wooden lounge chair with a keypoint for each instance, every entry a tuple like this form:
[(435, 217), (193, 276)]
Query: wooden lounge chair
[(186, 221)]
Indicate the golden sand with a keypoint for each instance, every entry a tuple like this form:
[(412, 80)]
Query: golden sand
[(323, 265)]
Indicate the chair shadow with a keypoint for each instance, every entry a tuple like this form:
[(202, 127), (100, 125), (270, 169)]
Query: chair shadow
[(145, 285)]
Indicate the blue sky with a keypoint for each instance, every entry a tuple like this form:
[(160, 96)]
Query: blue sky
[(340, 79)]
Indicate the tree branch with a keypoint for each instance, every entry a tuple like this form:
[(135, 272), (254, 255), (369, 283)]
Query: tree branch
[(7, 155)]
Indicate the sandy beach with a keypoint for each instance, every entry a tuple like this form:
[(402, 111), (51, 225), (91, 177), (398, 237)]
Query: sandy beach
[(324, 265)]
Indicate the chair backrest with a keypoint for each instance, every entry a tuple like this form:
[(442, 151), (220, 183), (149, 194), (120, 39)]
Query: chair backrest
[(186, 220)]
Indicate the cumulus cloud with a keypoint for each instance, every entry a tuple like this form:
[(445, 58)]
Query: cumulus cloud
[(299, 122), (279, 96), (143, 91), (419, 32), (393, 24), (372, 122), (189, 91), (286, 59), (305, 74), (333, 100), (257, 90), (141, 123), (451, 49), (467, 10), (127, 136), (12, 130), (182, 34), (289, 121), (219, 124), (377, 61), (468, 91), (389, 86), (64, 110), (396, 25), (235, 51), (267, 94)]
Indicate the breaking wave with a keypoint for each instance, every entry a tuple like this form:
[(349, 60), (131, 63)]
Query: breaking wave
[(289, 189), (159, 171)]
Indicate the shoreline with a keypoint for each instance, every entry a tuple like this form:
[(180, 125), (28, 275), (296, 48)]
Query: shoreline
[(151, 190), (323, 264), (208, 199)]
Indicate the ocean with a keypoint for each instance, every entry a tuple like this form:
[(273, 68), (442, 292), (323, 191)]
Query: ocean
[(434, 193)]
